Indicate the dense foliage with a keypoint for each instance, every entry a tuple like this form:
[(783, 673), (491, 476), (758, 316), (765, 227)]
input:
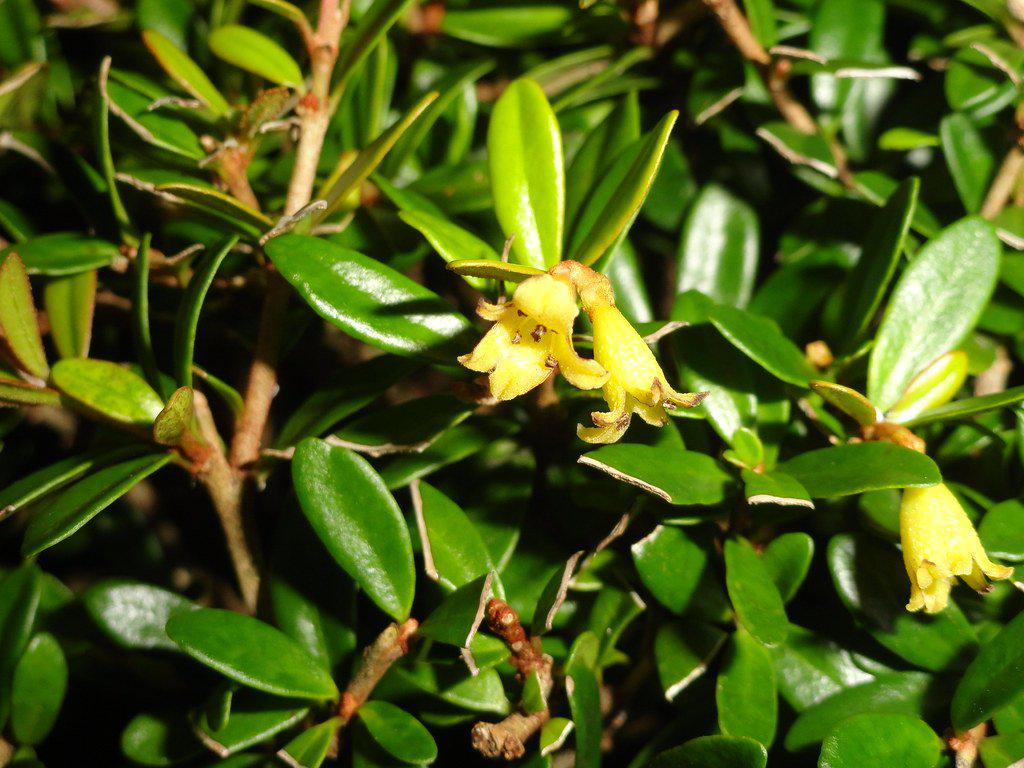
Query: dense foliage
[(624, 382)]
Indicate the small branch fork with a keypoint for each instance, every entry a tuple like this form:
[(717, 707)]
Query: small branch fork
[(775, 75), (391, 645), (508, 738)]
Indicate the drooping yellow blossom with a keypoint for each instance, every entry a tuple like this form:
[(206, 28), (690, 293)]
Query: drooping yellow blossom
[(530, 338), (939, 544), (636, 383)]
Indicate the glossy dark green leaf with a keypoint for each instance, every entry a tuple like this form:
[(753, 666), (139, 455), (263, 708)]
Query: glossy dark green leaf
[(20, 596), (494, 270), (18, 321), (607, 215), (398, 733), (369, 300), (184, 71), (719, 248), (843, 470), (810, 667), (37, 692), (255, 52), (584, 703), (714, 752), (310, 748), (153, 128), (108, 390), (881, 740), (968, 407), (454, 685), (81, 502), (524, 148), (995, 677), (452, 620), (359, 522), (451, 241), (457, 553), (507, 26), (407, 427), (899, 693), (159, 740), (760, 339), (132, 614), (970, 162), (871, 581), (1002, 531), (251, 653), (745, 691), (883, 246), (69, 303), (187, 320), (787, 559), (372, 26), (238, 216), (683, 477), (63, 253), (774, 488), (753, 593), (937, 300), (672, 565), (452, 447), (1003, 750), (255, 718), (682, 653)]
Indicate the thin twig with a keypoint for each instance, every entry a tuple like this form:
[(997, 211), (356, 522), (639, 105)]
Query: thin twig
[(391, 645), (1003, 184)]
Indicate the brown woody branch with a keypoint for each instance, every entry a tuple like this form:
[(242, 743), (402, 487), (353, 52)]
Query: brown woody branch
[(391, 645), (507, 739)]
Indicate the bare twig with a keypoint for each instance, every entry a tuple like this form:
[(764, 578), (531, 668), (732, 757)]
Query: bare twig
[(1003, 184), (391, 645)]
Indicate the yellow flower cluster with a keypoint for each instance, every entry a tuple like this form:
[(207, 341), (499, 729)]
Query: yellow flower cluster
[(939, 544), (532, 338)]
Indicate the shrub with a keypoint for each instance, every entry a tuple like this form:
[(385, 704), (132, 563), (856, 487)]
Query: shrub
[(698, 446)]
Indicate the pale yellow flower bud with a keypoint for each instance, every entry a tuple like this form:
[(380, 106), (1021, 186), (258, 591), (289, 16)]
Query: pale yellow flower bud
[(939, 544)]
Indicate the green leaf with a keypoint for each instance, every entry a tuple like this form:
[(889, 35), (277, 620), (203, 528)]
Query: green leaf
[(398, 733), (607, 216), (679, 477), (776, 488), (69, 303), (672, 565), (507, 26), (993, 679), (585, 703), (251, 653), (175, 419), (81, 502), (20, 593), (452, 242), (184, 71), (132, 614), (968, 407), (187, 320), (493, 270), (18, 318), (255, 52), (62, 253), (373, 25), (407, 427), (714, 752), (358, 521), (754, 595), (881, 740), (309, 749), (108, 390), (760, 339), (1002, 751), (843, 470), (809, 668), (154, 740), (682, 653), (883, 245), (524, 148), (350, 174), (787, 559), (238, 216), (937, 300), (871, 581), (40, 681), (745, 691), (554, 733), (719, 248), (457, 553), (21, 393), (970, 162), (255, 719), (1002, 530), (849, 401), (369, 300), (453, 619), (897, 693)]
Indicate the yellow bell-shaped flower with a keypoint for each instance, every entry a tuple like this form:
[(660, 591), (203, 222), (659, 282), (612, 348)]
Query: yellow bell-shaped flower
[(636, 383), (530, 338), (939, 544)]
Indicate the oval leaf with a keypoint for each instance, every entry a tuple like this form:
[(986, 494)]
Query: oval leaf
[(843, 470), (255, 52), (108, 390)]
